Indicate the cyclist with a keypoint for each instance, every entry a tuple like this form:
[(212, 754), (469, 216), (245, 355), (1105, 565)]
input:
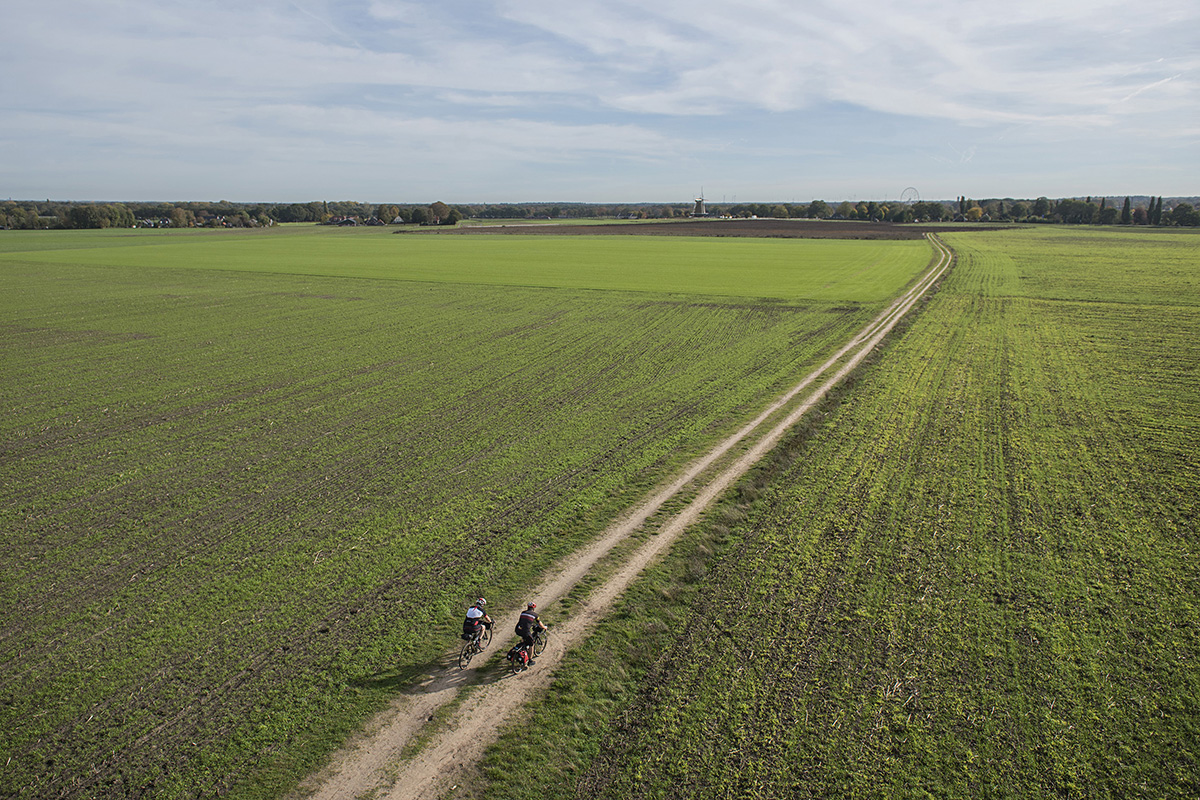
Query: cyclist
[(527, 623), (476, 619)]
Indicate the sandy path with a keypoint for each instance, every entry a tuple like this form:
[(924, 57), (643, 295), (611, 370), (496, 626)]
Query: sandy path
[(371, 763)]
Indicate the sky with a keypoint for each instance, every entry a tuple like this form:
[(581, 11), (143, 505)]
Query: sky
[(603, 101)]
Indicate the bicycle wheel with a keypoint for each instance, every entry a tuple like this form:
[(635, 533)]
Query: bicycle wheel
[(539, 642), (465, 656), (516, 665)]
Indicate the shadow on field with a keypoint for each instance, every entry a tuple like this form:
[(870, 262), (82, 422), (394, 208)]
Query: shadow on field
[(441, 673)]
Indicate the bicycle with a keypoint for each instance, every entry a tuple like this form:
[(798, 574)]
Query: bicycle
[(540, 639), (474, 647), (518, 661)]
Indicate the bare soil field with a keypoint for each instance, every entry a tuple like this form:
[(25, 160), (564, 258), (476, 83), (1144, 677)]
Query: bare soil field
[(755, 228)]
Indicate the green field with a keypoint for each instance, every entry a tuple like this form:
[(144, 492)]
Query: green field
[(828, 271), (978, 576), (249, 479)]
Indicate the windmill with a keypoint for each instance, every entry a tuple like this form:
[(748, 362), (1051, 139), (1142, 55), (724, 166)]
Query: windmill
[(698, 209)]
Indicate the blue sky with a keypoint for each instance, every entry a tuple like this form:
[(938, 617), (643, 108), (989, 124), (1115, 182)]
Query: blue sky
[(607, 101)]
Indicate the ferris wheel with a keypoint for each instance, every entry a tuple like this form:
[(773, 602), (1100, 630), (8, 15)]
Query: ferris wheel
[(910, 196)]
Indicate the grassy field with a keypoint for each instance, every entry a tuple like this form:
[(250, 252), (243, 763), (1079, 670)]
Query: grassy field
[(822, 270), (977, 575), (250, 479)]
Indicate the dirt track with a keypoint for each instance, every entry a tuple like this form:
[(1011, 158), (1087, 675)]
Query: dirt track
[(372, 763)]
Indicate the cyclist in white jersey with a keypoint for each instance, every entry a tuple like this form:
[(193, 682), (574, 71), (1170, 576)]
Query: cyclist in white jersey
[(476, 618)]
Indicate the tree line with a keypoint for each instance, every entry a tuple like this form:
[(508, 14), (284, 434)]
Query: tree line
[(1068, 211)]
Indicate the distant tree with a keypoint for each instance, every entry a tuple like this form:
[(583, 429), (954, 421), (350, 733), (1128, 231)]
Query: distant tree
[(438, 211), (1140, 217), (419, 215), (1107, 216), (100, 215), (1075, 212), (1184, 214), (1126, 213), (819, 209), (845, 210), (85, 216), (386, 214), (285, 212), (182, 217), (1156, 211), (1041, 207), (974, 214), (122, 216), (1019, 210), (932, 211), (21, 217)]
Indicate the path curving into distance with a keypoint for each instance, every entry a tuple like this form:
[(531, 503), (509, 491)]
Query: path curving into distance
[(373, 762)]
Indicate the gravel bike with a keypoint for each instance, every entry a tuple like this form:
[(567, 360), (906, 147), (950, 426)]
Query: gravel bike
[(475, 646), (517, 660), (540, 639)]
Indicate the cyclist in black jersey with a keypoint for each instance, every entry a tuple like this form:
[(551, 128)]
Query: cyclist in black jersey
[(526, 625)]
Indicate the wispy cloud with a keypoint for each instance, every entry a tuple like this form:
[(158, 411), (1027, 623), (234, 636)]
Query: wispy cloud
[(533, 87)]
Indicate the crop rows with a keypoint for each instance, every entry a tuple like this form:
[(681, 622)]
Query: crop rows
[(244, 508), (978, 577)]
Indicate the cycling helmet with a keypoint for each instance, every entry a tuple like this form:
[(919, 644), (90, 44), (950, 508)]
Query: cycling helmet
[(481, 602), (531, 606)]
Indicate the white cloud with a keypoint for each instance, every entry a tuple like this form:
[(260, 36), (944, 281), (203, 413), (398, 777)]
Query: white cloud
[(1062, 63), (592, 83)]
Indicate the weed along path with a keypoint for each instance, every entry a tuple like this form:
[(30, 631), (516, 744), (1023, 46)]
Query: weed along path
[(388, 760)]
